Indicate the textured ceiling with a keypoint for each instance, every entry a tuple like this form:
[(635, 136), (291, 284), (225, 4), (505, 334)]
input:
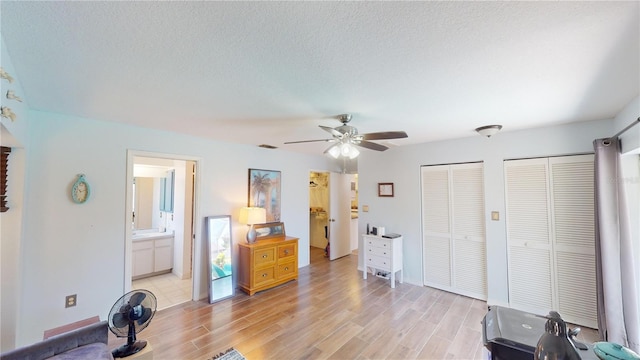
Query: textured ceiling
[(270, 72)]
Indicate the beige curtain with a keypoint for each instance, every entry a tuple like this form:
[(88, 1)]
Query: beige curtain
[(618, 318)]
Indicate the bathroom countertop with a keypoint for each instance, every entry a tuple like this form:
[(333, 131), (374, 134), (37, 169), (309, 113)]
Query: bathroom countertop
[(151, 236)]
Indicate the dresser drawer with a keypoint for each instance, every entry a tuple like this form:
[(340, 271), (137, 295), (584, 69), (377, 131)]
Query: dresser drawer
[(265, 275), (383, 252), (286, 269), (264, 257), (378, 262), (379, 243), (287, 250)]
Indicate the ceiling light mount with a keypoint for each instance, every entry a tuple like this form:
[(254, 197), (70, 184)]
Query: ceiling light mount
[(488, 130)]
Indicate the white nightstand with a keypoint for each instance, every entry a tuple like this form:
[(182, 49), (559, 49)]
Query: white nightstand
[(382, 255)]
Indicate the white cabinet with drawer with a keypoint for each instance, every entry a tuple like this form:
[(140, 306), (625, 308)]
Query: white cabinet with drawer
[(152, 256), (383, 256)]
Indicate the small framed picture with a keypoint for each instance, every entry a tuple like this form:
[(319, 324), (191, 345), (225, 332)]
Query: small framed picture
[(385, 189)]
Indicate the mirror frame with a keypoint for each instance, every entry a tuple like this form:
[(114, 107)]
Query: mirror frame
[(269, 230), (220, 227)]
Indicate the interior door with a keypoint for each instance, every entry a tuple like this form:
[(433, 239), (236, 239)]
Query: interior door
[(339, 215)]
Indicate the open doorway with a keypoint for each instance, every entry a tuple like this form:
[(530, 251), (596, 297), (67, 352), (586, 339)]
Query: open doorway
[(333, 215), (318, 216), (161, 215)]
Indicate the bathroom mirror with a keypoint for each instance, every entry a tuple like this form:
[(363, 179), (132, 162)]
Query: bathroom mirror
[(221, 285)]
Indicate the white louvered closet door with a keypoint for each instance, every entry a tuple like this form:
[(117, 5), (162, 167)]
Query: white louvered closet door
[(572, 196), (528, 239), (454, 228), (550, 236), (469, 248), (436, 226)]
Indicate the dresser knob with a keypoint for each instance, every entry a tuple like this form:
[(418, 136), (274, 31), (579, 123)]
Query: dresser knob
[(264, 256), (286, 252), (286, 268), (264, 275)]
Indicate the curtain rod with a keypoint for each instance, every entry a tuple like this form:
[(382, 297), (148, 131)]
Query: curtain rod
[(625, 129)]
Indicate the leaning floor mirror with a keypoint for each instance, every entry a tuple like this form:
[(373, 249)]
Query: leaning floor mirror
[(220, 260)]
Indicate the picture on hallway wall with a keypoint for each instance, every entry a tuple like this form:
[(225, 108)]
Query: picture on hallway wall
[(264, 192)]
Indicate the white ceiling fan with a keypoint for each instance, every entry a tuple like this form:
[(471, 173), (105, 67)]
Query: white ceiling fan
[(346, 136)]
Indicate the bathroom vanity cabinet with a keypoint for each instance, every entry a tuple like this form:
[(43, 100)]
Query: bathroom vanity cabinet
[(152, 256)]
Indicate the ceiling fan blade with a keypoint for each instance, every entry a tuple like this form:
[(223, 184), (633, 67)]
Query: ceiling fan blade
[(331, 131), (384, 135), (306, 141), (371, 145)]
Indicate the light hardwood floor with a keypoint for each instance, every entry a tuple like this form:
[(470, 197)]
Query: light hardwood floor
[(329, 313)]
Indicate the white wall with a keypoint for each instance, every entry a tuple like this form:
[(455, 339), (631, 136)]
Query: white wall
[(176, 219), (402, 213), (13, 134), (80, 249), (630, 139)]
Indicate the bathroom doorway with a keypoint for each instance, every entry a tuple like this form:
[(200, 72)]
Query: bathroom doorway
[(161, 214)]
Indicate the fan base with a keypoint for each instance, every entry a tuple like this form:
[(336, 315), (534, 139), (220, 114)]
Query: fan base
[(129, 349)]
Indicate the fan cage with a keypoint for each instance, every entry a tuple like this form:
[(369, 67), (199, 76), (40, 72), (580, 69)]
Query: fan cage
[(149, 302)]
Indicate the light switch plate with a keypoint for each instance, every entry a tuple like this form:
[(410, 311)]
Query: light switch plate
[(495, 215), (365, 208)]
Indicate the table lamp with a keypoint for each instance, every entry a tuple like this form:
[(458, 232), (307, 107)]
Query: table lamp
[(251, 216)]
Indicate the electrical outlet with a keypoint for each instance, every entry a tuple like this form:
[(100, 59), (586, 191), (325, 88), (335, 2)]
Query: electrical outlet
[(70, 300)]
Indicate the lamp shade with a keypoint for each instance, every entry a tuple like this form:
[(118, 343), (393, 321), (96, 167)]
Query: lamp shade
[(252, 215)]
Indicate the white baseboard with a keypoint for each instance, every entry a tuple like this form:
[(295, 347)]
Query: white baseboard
[(497, 303)]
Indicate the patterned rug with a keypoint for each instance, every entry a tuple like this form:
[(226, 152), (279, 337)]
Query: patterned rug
[(230, 354)]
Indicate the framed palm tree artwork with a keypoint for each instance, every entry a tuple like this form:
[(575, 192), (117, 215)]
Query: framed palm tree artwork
[(264, 192)]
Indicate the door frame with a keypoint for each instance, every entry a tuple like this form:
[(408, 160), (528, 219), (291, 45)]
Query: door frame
[(196, 241)]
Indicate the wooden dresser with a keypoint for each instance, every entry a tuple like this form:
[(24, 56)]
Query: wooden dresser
[(267, 263)]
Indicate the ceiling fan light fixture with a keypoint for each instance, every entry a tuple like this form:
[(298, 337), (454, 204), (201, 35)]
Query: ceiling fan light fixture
[(345, 149), (334, 151), (488, 130), (349, 151)]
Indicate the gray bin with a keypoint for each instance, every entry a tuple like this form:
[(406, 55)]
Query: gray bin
[(511, 334)]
